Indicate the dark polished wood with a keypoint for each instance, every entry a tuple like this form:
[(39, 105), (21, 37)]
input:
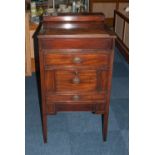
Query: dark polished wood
[(72, 17), (76, 65), (77, 58)]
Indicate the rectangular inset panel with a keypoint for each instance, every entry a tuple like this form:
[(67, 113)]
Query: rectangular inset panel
[(49, 80), (104, 80), (77, 81)]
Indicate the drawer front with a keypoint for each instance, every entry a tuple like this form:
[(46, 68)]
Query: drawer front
[(76, 59), (82, 43), (76, 98), (74, 80)]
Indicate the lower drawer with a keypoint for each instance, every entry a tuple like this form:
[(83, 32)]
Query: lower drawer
[(76, 98)]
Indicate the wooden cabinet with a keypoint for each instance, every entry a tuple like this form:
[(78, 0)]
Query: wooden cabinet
[(76, 61)]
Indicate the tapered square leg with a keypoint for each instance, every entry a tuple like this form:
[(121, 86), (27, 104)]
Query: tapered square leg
[(104, 126), (44, 126)]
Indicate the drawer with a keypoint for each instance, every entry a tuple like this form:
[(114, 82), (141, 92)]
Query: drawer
[(82, 43), (76, 80), (92, 98), (77, 59)]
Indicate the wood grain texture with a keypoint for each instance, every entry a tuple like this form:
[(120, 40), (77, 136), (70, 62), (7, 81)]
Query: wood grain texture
[(73, 43), (76, 80), (83, 98), (80, 17), (76, 71), (76, 59), (73, 25)]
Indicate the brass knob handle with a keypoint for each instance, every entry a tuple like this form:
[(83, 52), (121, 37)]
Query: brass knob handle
[(76, 97), (77, 60), (76, 80)]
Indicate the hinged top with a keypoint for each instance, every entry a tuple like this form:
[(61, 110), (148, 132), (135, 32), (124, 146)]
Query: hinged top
[(74, 17), (83, 25)]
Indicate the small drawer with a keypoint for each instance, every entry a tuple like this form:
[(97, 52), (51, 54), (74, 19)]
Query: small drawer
[(76, 59), (92, 98), (76, 80)]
